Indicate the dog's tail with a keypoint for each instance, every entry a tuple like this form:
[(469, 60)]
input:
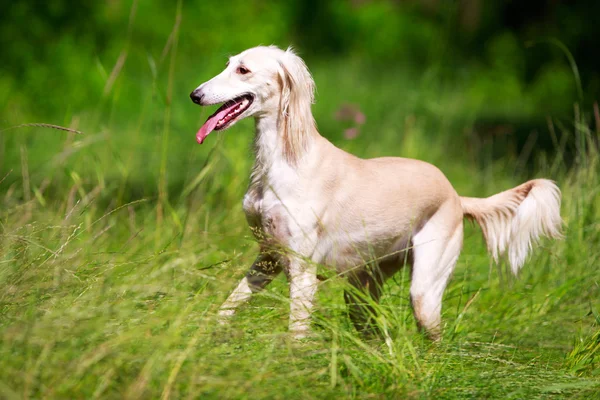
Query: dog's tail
[(513, 219)]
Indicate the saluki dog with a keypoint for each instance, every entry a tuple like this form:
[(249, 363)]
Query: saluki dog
[(309, 203)]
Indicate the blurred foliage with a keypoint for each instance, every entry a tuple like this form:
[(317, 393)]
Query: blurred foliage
[(585, 356), (489, 72), (51, 46)]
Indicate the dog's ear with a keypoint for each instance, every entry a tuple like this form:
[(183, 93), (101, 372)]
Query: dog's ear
[(297, 95), (297, 83)]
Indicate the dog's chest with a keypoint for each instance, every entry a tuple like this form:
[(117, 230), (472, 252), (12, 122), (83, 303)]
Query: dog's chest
[(277, 209)]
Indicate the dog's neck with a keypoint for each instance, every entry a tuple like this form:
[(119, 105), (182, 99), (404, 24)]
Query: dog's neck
[(273, 145)]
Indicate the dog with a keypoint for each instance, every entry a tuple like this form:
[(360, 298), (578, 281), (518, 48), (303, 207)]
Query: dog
[(310, 203)]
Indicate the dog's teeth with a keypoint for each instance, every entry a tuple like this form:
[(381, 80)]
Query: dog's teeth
[(237, 110)]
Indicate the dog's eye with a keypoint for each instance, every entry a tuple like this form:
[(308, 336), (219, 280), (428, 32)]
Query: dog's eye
[(243, 70)]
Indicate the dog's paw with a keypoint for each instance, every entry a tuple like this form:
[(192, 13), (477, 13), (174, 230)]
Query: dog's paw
[(224, 317)]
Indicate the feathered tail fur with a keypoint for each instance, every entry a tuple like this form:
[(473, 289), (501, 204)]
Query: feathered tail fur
[(514, 219)]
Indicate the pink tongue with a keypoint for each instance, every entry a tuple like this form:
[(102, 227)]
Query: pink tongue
[(211, 123)]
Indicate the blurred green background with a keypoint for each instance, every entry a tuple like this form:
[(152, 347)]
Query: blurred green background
[(489, 73)]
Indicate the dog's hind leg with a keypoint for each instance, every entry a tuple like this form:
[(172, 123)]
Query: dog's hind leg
[(368, 285), (264, 269), (435, 255), (359, 300)]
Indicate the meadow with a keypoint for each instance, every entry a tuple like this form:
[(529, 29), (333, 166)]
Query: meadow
[(120, 237)]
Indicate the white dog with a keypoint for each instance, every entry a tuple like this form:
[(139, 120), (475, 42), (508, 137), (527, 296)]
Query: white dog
[(311, 203)]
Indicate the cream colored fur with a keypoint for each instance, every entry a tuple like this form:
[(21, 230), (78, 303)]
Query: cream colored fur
[(310, 203), (513, 220)]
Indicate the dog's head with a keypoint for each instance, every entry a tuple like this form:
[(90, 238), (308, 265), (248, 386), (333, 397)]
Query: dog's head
[(262, 81)]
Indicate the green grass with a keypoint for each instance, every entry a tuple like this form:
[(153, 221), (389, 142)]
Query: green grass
[(118, 245)]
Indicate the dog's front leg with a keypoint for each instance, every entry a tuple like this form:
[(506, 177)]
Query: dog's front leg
[(303, 286), (264, 269)]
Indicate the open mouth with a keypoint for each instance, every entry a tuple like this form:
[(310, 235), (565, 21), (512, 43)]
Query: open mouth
[(225, 116)]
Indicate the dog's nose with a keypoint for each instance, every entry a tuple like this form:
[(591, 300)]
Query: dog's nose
[(196, 96)]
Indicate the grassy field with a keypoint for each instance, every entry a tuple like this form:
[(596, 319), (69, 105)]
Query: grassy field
[(119, 244)]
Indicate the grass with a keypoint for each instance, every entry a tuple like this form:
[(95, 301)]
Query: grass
[(118, 245)]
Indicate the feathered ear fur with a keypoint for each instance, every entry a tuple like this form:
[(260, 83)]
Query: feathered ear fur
[(297, 94)]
